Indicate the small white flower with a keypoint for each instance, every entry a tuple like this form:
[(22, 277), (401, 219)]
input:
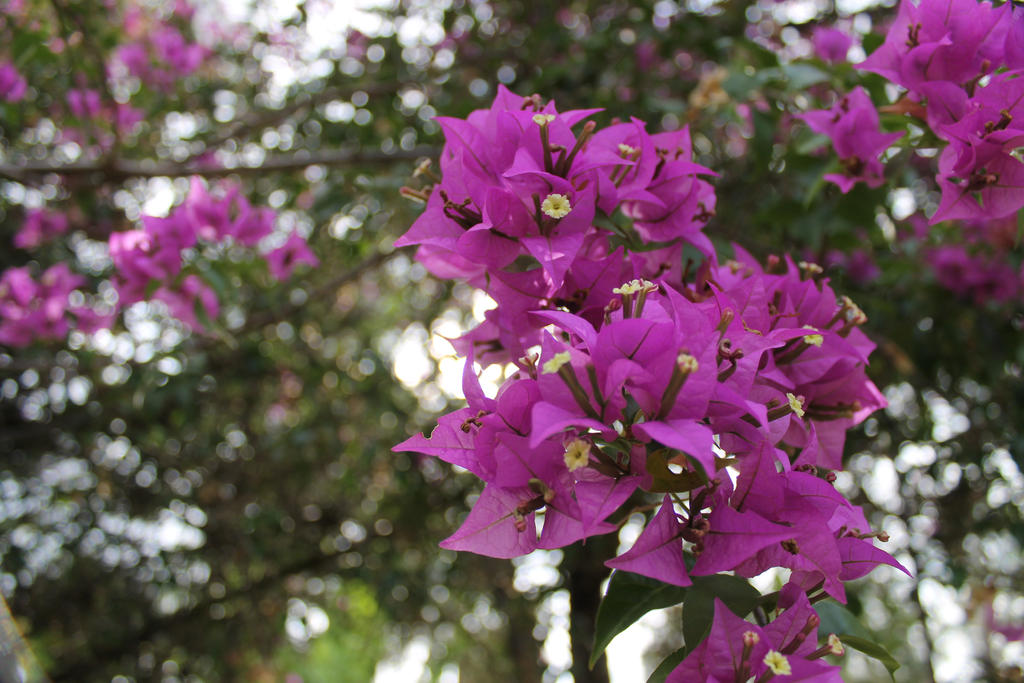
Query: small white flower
[(557, 361), (813, 339), (577, 454), (635, 287), (777, 663), (795, 404), (556, 206)]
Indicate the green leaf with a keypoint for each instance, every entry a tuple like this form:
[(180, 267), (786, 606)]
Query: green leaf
[(629, 597), (665, 668), (811, 143), (765, 130), (664, 480), (872, 41), (837, 619), (830, 166), (757, 55), (800, 76), (740, 86), (699, 607), (872, 649), (217, 281)]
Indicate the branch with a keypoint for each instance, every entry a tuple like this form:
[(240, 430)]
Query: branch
[(258, 120), (320, 291), (121, 169), (268, 317)]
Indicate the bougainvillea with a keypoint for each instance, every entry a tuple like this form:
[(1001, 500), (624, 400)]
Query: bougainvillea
[(661, 380), (725, 387), (148, 263), (958, 61)]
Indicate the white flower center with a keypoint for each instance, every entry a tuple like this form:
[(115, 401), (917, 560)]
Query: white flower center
[(557, 361), (777, 663), (577, 454), (795, 404), (556, 206)]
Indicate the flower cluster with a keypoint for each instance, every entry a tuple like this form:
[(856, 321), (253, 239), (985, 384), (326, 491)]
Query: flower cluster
[(524, 212), (958, 60), (852, 125), (42, 308), (154, 253), (150, 263), (975, 261), (40, 226), (976, 276), (727, 387), (87, 104), (159, 55), (736, 650)]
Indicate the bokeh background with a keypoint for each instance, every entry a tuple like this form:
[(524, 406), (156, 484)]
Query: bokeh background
[(178, 506)]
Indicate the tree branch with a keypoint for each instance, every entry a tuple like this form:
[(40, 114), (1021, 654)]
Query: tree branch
[(121, 169), (258, 120), (257, 321)]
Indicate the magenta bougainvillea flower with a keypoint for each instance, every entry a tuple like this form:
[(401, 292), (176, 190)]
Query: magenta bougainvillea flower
[(283, 260), (12, 85), (980, 276), (785, 650), (950, 56), (84, 104), (523, 182), (39, 227), (637, 374), (39, 308), (158, 55), (831, 44), (149, 261), (185, 300), (852, 124), (955, 41)]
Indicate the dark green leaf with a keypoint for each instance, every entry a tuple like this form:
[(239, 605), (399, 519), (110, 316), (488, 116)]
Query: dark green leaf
[(872, 41), (629, 597), (665, 479), (665, 668), (837, 619), (872, 649), (699, 607)]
